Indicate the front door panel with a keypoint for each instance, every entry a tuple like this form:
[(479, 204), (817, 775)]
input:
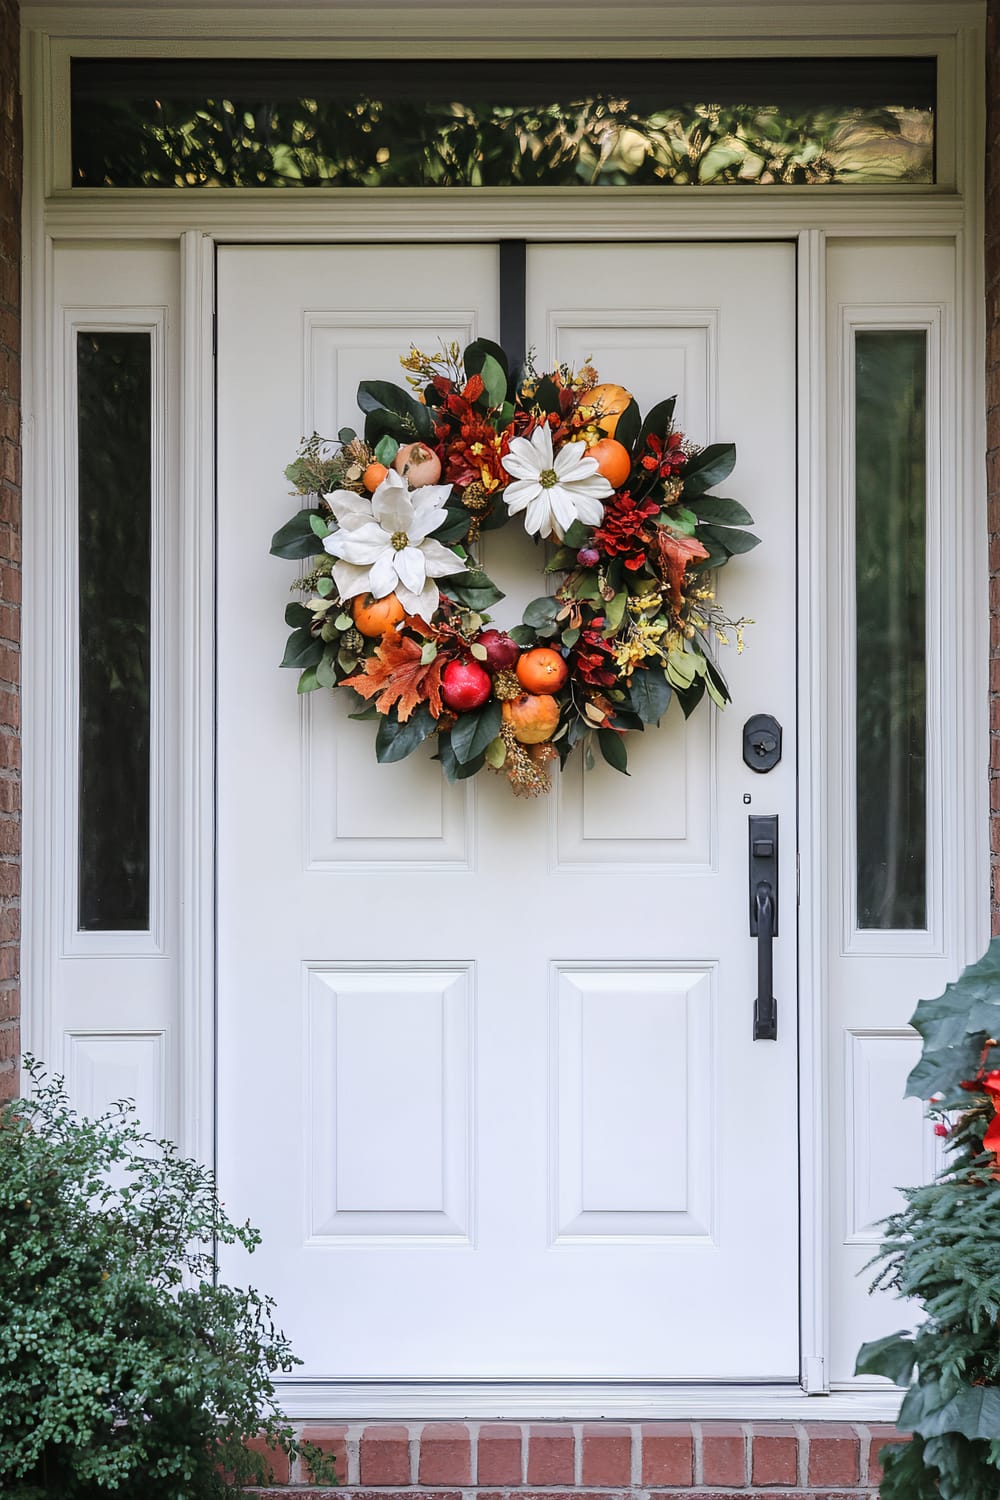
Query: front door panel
[(487, 1080)]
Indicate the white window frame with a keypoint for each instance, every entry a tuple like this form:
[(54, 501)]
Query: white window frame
[(196, 220)]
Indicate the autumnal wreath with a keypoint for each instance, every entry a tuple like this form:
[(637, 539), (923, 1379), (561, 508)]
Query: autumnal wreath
[(396, 606)]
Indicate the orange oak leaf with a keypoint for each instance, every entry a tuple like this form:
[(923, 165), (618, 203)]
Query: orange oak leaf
[(399, 678)]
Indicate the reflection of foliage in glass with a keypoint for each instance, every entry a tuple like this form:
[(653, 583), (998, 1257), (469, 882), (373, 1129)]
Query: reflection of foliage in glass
[(891, 613), (114, 392), (597, 140)]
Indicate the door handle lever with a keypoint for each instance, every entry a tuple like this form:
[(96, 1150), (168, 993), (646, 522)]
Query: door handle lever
[(765, 1011), (763, 881)]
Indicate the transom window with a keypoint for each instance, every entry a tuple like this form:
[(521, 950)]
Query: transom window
[(502, 123)]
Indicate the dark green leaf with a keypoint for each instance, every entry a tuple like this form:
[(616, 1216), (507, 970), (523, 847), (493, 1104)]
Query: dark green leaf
[(577, 535), (612, 747), (720, 510), (892, 1357), (541, 612), (376, 394), (296, 538), (628, 427), (346, 435), (657, 423), (494, 378), (297, 614), (524, 635), (395, 741), (650, 693), (454, 769), (707, 468), (546, 395), (472, 732), (689, 698), (472, 589), (478, 352), (302, 649), (731, 539)]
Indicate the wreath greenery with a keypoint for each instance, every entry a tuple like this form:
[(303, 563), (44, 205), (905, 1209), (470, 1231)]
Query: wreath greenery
[(396, 602)]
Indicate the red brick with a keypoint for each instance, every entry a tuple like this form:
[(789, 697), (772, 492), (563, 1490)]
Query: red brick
[(607, 1454), (834, 1449), (330, 1440), (385, 1456), (550, 1454), (667, 1454), (499, 1458), (880, 1436), (445, 1454), (723, 1453), (276, 1461), (774, 1455)]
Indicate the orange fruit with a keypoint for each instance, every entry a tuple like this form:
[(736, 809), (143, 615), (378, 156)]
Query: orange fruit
[(613, 460), (541, 670), (534, 717), (372, 478), (607, 402), (376, 616)]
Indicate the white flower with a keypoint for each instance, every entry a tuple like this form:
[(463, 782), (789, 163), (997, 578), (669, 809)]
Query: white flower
[(554, 492), (385, 543)]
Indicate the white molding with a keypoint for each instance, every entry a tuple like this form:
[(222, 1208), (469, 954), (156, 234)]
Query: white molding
[(583, 1400), (813, 813), (196, 1017), (464, 215), (693, 20)]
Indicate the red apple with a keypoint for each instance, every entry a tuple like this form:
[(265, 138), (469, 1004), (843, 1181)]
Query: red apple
[(500, 650), (465, 685)]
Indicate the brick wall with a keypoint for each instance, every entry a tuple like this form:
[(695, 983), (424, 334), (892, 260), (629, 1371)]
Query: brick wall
[(10, 547), (993, 421), (591, 1461)]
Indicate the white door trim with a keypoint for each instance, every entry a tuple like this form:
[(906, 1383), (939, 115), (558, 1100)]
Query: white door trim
[(196, 222)]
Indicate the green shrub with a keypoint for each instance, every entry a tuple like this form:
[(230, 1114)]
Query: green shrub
[(126, 1368), (943, 1250)]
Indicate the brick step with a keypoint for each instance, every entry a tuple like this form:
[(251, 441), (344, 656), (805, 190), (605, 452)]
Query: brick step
[(591, 1460)]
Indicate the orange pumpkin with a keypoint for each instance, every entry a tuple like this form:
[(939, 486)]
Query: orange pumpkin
[(533, 717), (607, 402)]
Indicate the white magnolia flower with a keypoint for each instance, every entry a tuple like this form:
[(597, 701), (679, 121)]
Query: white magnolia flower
[(557, 491), (385, 546)]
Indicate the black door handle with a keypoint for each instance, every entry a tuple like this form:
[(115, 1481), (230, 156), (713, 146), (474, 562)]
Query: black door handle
[(765, 1011), (763, 881)]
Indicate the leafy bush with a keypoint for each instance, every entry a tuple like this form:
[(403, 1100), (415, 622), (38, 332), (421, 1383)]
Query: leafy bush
[(125, 1367), (943, 1249)]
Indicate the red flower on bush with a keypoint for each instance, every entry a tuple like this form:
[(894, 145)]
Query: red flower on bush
[(664, 458)]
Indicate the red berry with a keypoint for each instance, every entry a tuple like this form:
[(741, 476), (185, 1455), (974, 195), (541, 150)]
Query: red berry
[(588, 557), (500, 650), (465, 685)]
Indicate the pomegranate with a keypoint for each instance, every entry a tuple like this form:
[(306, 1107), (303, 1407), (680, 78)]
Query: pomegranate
[(465, 685), (418, 465), (500, 650)]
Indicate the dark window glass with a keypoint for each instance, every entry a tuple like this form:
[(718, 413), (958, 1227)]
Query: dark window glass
[(891, 569), (422, 123), (114, 386)]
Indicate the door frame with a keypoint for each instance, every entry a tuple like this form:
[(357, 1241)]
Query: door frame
[(195, 223)]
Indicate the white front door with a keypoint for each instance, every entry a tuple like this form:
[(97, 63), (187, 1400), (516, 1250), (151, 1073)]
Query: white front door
[(487, 1079)]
